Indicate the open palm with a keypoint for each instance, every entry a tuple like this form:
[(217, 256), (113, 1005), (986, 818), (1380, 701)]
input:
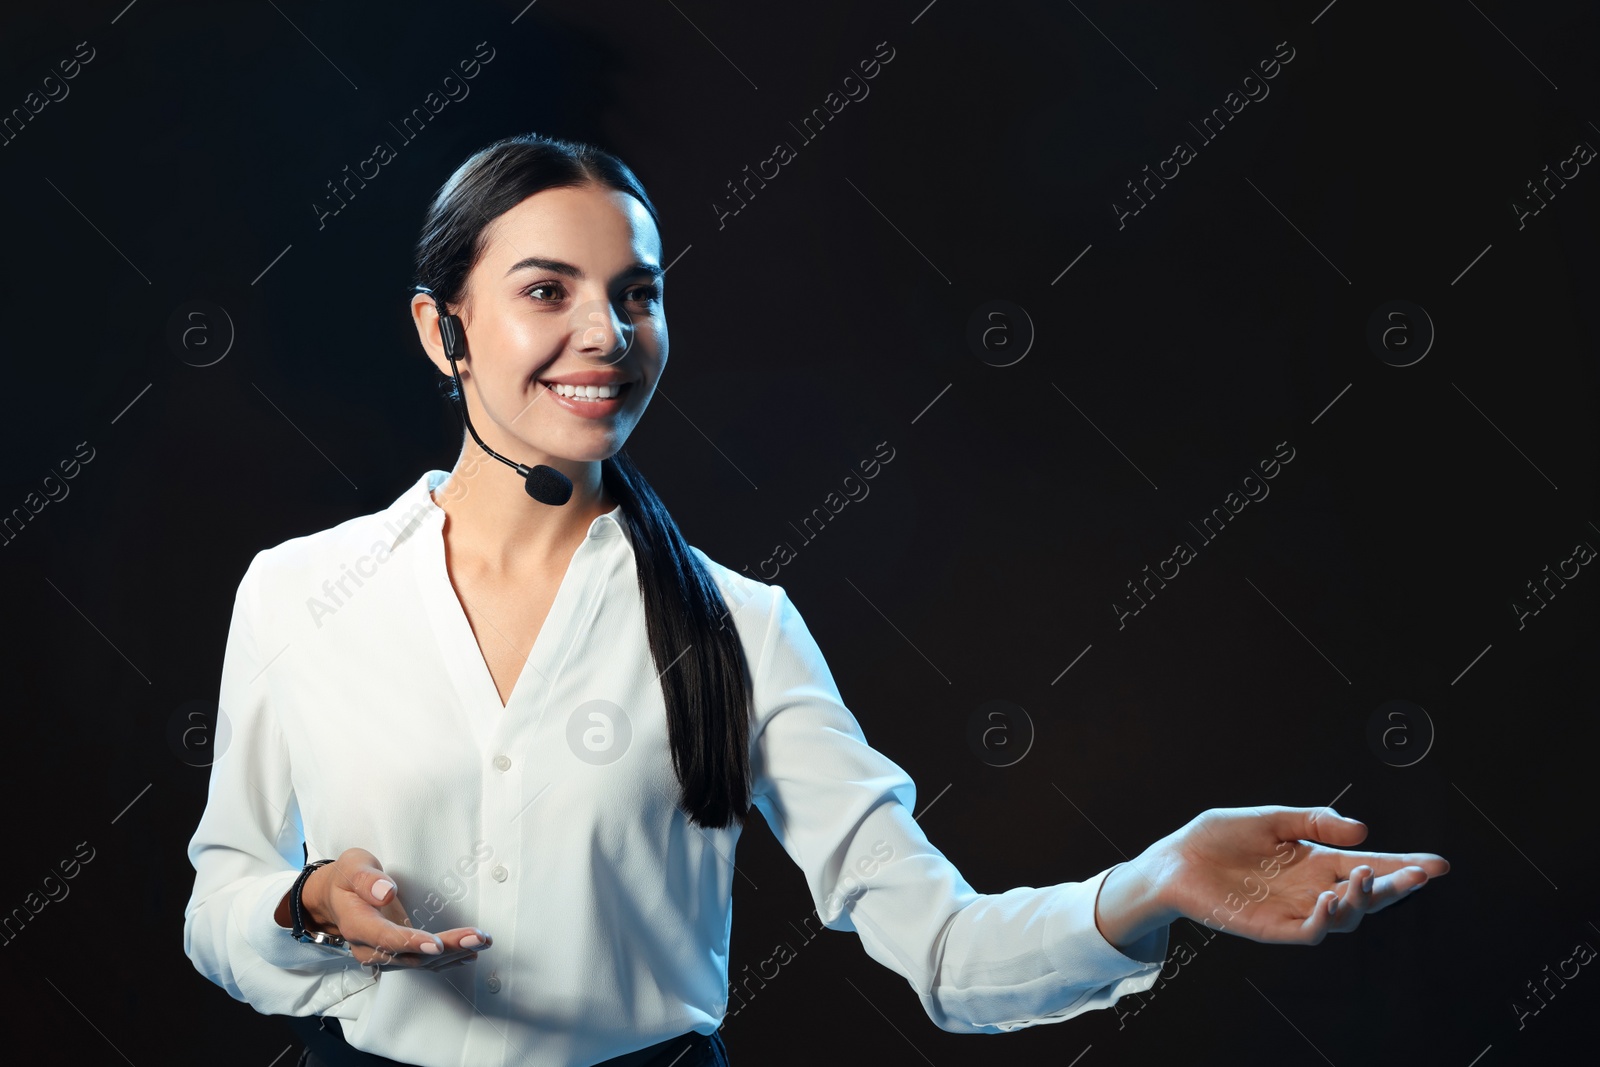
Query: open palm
[(1267, 873)]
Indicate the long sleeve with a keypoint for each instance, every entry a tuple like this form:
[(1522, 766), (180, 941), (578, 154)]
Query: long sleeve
[(247, 849), (980, 963)]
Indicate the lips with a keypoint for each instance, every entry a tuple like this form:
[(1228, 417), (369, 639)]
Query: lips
[(576, 398)]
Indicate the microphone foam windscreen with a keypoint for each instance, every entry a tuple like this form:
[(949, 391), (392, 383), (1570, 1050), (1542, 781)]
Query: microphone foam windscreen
[(548, 485)]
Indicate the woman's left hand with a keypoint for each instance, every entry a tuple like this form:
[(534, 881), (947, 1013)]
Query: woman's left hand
[(1267, 873)]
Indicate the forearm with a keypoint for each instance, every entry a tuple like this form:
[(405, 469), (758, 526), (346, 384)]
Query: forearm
[(230, 938)]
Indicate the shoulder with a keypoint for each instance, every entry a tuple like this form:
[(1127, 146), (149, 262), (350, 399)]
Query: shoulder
[(762, 611), (746, 597), (309, 560), (779, 646)]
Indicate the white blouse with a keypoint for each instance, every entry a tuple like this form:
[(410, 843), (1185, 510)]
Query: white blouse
[(359, 712)]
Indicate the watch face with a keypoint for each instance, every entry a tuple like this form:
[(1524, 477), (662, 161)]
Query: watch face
[(325, 940)]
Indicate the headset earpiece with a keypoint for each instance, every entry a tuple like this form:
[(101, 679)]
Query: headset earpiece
[(449, 326), (450, 335)]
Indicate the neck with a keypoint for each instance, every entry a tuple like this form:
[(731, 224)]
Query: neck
[(491, 519)]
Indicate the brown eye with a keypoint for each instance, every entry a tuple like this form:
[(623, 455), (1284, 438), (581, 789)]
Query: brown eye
[(541, 287)]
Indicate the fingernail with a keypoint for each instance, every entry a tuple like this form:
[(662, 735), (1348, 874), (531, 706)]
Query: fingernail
[(1366, 884), (471, 941), (1333, 904), (430, 947), (381, 890)]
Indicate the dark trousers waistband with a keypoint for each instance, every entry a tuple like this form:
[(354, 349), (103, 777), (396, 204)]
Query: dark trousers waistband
[(326, 1047)]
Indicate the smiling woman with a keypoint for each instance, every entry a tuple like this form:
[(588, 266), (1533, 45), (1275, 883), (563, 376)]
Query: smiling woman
[(554, 697)]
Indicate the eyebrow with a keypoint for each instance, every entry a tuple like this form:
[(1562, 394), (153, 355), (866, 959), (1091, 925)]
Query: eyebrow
[(560, 267)]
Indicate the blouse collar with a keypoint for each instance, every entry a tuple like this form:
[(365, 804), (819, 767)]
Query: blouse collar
[(416, 506)]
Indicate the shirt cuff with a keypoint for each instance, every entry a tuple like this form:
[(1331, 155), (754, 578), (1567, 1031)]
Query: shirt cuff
[(1080, 952), (255, 912)]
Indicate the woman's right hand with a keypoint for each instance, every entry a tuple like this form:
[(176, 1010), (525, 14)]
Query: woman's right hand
[(353, 898)]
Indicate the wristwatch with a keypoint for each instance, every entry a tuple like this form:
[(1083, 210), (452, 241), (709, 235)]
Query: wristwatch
[(299, 932)]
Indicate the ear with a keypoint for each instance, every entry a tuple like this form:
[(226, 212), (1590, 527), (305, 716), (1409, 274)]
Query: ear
[(425, 316)]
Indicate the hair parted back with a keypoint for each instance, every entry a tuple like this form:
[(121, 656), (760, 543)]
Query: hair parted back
[(707, 689)]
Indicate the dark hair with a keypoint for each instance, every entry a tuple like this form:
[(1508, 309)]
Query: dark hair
[(706, 689)]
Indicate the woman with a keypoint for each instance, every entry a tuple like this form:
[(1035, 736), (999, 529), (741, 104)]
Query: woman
[(517, 737)]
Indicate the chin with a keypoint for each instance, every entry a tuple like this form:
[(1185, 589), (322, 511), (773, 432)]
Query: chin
[(593, 449)]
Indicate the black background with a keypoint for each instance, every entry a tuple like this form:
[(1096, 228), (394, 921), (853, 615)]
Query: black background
[(831, 314)]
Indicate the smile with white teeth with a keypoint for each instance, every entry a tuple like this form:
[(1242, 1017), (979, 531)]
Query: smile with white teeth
[(584, 392)]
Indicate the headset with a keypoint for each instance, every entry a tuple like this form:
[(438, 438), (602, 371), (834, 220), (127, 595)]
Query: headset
[(545, 484)]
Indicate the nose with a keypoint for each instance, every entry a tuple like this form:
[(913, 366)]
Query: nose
[(600, 334)]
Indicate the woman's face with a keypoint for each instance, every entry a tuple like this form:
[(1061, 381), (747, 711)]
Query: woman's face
[(568, 293)]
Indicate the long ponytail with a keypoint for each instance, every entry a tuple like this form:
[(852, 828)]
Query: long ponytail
[(703, 674)]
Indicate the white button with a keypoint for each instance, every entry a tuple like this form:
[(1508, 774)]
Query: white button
[(502, 762), (499, 874), (492, 984)]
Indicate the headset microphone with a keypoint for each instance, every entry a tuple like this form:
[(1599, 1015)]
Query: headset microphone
[(545, 484)]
